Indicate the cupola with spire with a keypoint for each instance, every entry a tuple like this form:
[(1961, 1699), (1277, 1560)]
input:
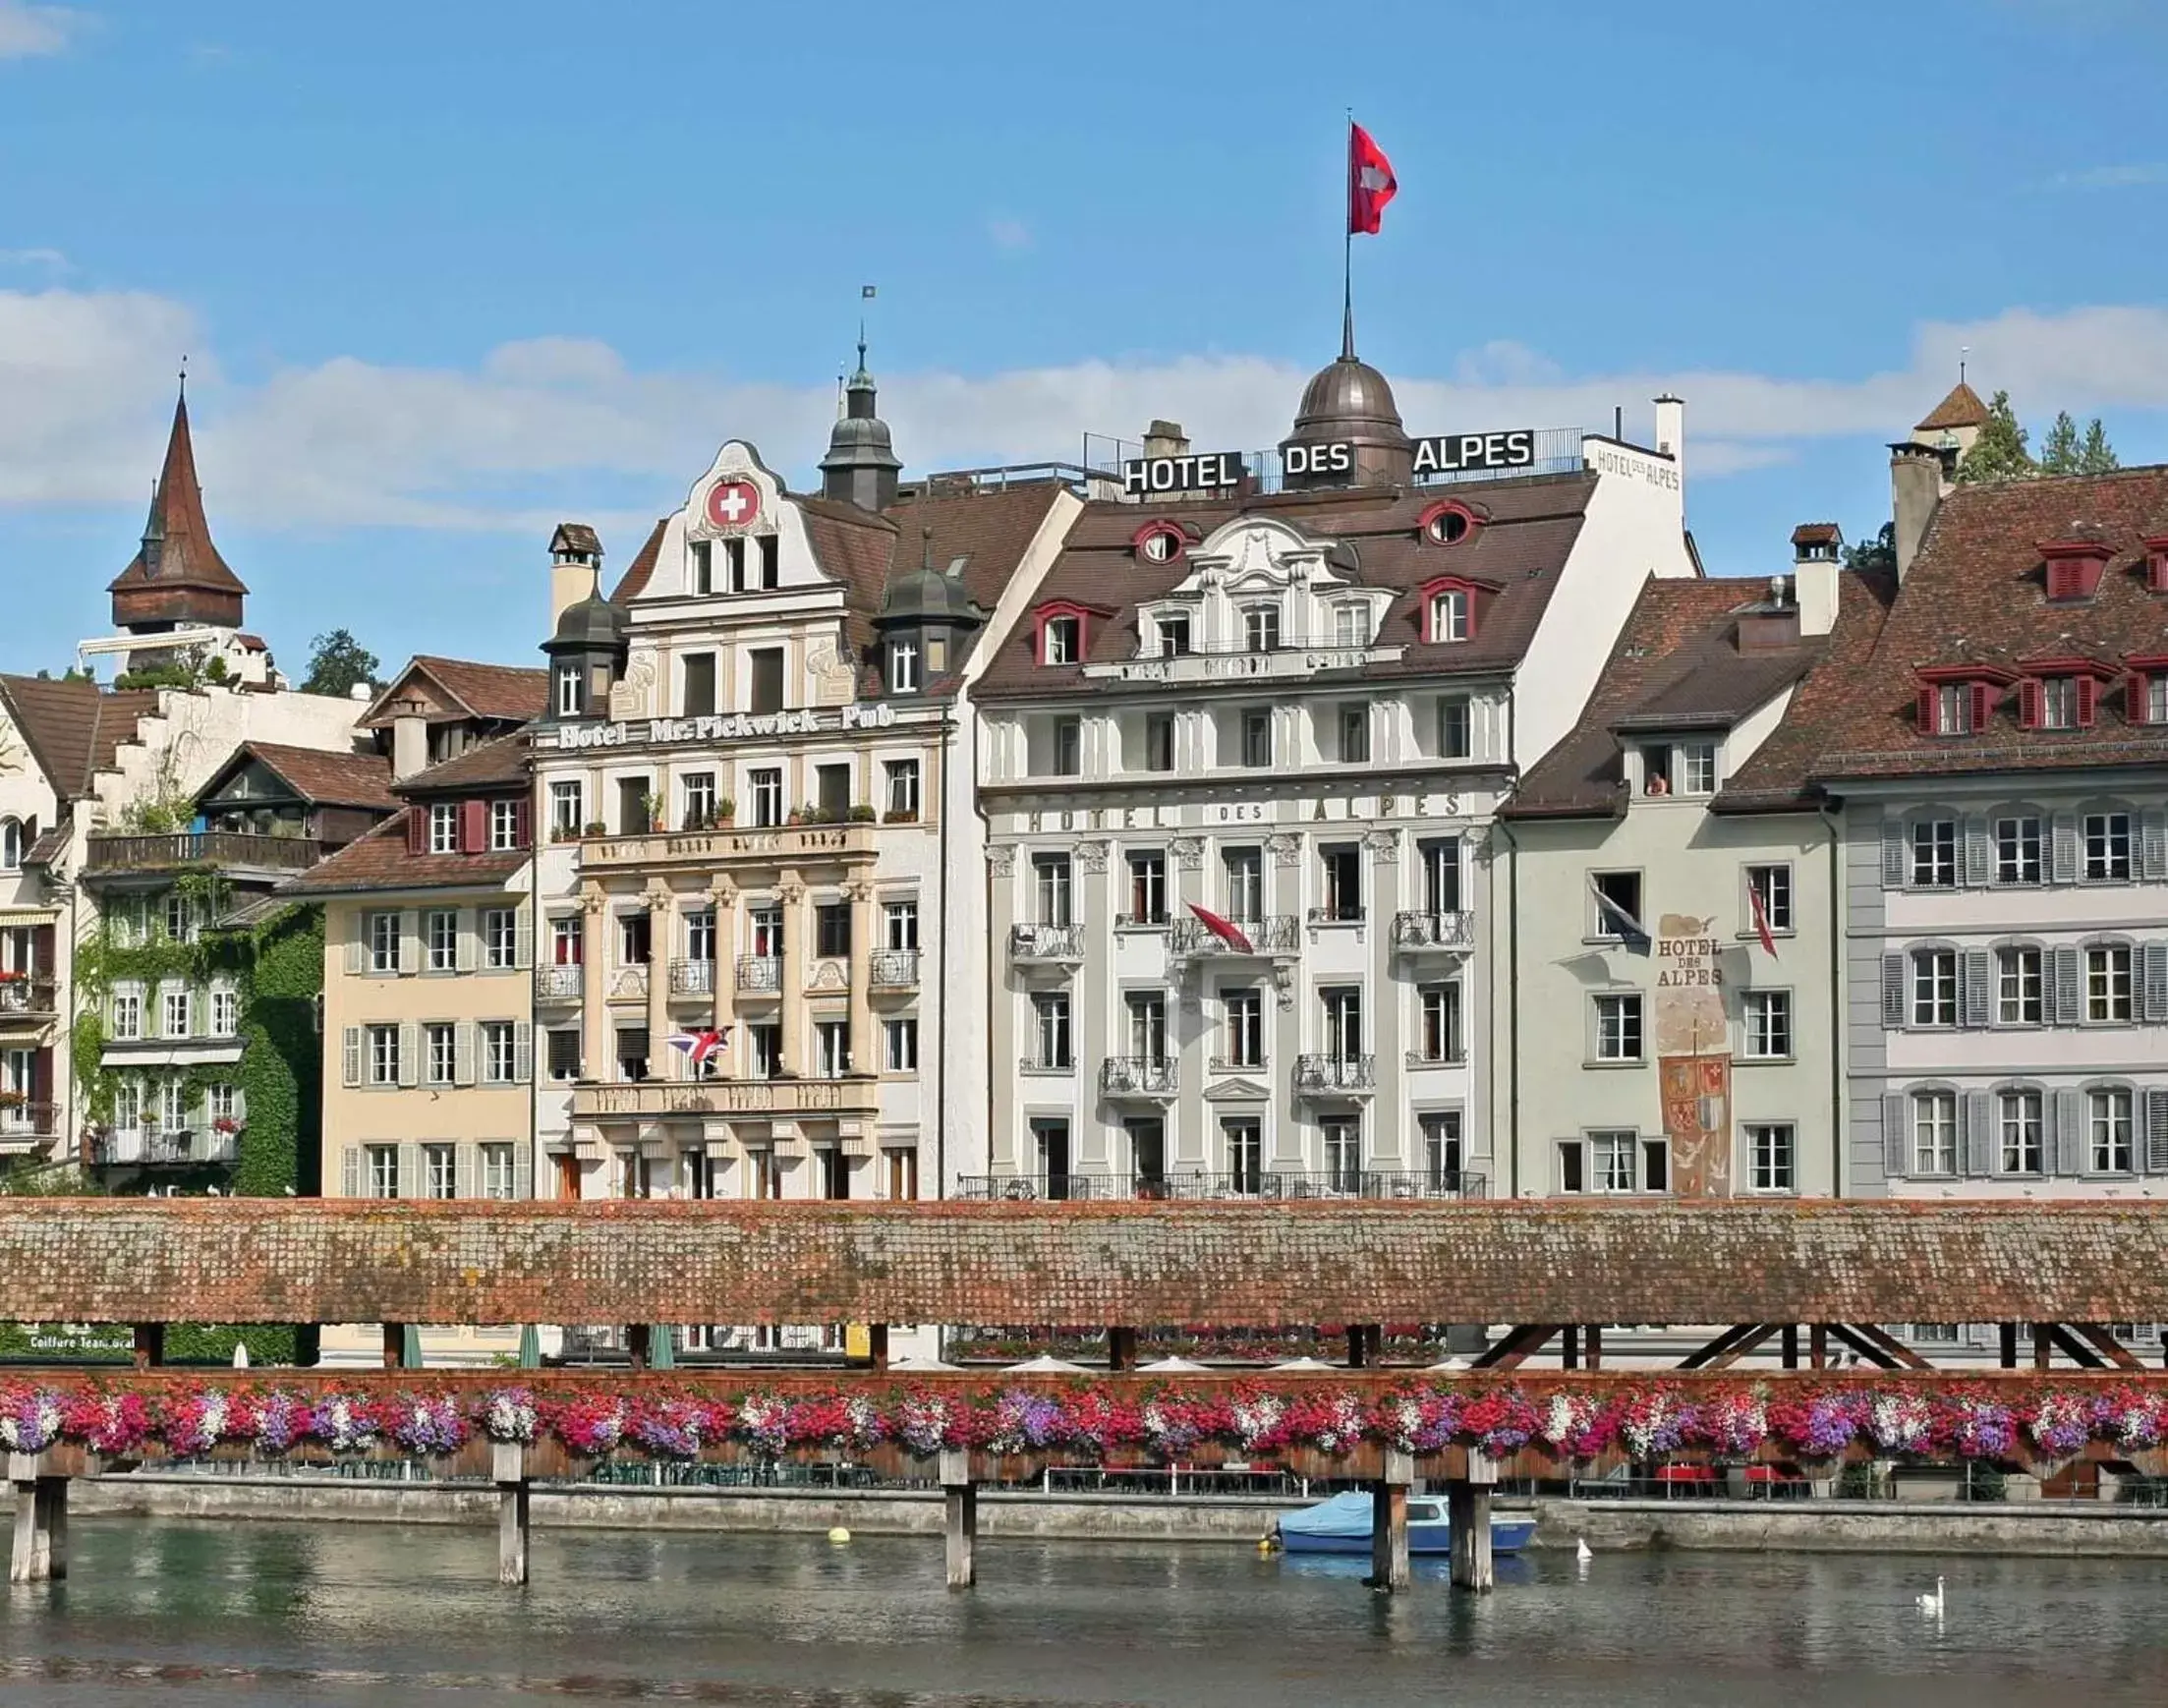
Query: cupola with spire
[(177, 579), (861, 465), (1347, 402)]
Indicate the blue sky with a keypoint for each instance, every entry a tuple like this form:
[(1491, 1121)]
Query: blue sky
[(446, 273)]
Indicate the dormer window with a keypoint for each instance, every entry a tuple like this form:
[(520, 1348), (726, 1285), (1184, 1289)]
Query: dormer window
[(2060, 694), (2074, 567), (1173, 632), (1062, 641), (2156, 563), (1160, 542), (1447, 524), (1350, 624), (1449, 613), (703, 567), (903, 673), (1261, 628), (2055, 702), (1958, 701), (568, 691), (2145, 690)]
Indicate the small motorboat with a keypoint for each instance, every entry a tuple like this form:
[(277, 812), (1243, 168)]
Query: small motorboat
[(1342, 1525)]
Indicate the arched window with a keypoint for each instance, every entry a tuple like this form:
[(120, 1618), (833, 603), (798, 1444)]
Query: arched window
[(11, 844)]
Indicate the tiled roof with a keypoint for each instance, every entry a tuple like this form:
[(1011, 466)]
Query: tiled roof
[(73, 728), (1816, 534), (256, 1260), (1960, 409), (188, 558), (1676, 664), (634, 582), (492, 765), (331, 780), (1519, 550), (500, 693), (1975, 593), (380, 861)]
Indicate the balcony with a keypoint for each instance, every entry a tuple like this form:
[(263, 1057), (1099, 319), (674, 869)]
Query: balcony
[(760, 975), (1423, 932), (27, 998), (1254, 1183), (558, 984), (1150, 1078), (153, 1146), (782, 845), (1278, 935), (693, 978), (895, 969), (26, 1123), (854, 1096), (1336, 1077), (1046, 945), (1337, 913), (184, 851)]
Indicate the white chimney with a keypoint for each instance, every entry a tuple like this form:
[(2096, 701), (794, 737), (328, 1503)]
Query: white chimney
[(410, 740), (1815, 559), (1671, 432)]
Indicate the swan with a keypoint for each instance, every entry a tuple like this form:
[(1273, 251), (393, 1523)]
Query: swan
[(1932, 1603), (1581, 1550)]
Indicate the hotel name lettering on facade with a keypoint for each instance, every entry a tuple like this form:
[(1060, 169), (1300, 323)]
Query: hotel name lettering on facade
[(1439, 454), (725, 726), (713, 1098)]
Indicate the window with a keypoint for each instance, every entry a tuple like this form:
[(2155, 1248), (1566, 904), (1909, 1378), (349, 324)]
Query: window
[(504, 826), (767, 1039), (733, 558), (1350, 624), (634, 946), (181, 921), (2108, 847), (1242, 1139), (565, 807), (1934, 1132), (499, 1061), (831, 1040), (1934, 988), (771, 555), (439, 1171), (128, 1015), (2108, 1125), (700, 684), (768, 796), (1261, 628), (565, 1054), (632, 1053), (1770, 1147), (1159, 741), (901, 776), (832, 929), (1062, 641), (440, 938), (1173, 632), (225, 1013), (1342, 1006), (836, 1172), (1341, 873), (1148, 888), (1455, 728), (2156, 698), (2017, 850), (1572, 1166), (1069, 747), (1342, 1145), (444, 826), (383, 1055), (496, 1171), (1934, 853), (1770, 888), (636, 816), (2018, 998), (697, 792), (768, 930), (704, 568), (11, 844), (221, 1103), (903, 666), (1147, 1025), (128, 1103), (1448, 615), (383, 1171), (1051, 883), (439, 1053), (1245, 1028), (832, 791), (1354, 733), (2019, 1121), (2058, 702), (763, 1173), (1050, 1017), (567, 941), (764, 680), (1257, 736), (1442, 1151), (1440, 1014), (499, 938), (700, 935), (899, 924), (1617, 903), (1440, 857), (899, 1046), (2108, 983), (1242, 871), (1618, 1026), (902, 1170), (1952, 706), (1768, 1017), (176, 1016), (568, 689), (1613, 1157), (1696, 767)]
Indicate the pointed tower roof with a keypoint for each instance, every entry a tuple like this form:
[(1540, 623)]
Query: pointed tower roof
[(1960, 409), (177, 550), (861, 464)]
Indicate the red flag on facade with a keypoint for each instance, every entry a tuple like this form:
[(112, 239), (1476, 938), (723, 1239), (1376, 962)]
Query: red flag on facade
[(1225, 930), (1761, 920), (1370, 182)]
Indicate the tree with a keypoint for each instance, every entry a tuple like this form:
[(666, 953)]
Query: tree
[(1876, 555), (2059, 450), (1999, 453), (336, 662), (2096, 456)]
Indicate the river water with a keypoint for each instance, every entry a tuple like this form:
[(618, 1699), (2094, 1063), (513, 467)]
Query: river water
[(183, 1613)]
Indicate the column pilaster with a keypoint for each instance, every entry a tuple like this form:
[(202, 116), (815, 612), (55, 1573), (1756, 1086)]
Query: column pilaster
[(790, 897)]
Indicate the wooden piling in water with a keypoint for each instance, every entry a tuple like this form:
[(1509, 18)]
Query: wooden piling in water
[(39, 1553), (1468, 1512), (1389, 1559), (961, 1526), (508, 1468)]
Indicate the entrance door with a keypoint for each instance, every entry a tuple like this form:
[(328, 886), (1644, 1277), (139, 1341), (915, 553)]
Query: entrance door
[(568, 1174), (1148, 1155), (1053, 1141)]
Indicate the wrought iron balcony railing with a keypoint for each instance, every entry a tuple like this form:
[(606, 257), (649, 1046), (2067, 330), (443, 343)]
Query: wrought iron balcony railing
[(1046, 943), (693, 978), (894, 969), (761, 973), (1434, 930), (558, 984), (1336, 1073), (1278, 934), (1236, 1183), (1153, 1076)]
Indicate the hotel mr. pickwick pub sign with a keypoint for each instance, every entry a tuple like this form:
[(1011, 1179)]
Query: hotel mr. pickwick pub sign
[(1439, 454)]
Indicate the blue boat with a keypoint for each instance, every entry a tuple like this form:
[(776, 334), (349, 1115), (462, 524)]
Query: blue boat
[(1342, 1525)]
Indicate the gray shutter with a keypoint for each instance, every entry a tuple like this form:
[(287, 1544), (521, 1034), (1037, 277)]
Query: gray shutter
[(1979, 1153), (2063, 867), (466, 940), (1893, 991), (410, 1053), (349, 1055), (1980, 851), (2070, 1131), (523, 1052), (1892, 853), (522, 938), (410, 1170), (1980, 988), (350, 1171), (410, 942), (462, 1053), (523, 1169), (463, 1171), (357, 942), (1897, 1157), (2154, 979), (2069, 1004), (2152, 843), (2156, 1132)]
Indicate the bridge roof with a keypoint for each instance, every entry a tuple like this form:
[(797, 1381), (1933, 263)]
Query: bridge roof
[(287, 1260)]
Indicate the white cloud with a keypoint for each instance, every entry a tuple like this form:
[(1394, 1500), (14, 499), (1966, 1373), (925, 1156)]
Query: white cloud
[(2128, 177), (564, 423), (28, 30), (1008, 234), (44, 259)]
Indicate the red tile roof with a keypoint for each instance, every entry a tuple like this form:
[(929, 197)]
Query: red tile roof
[(1960, 409), (72, 727), (380, 861), (494, 692), (1816, 534), (189, 559), (331, 780), (634, 582), (492, 766)]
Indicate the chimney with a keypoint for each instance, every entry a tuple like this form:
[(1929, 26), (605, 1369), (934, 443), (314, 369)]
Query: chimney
[(1916, 490), (1815, 559), (410, 740), (575, 568), (1671, 432), (1166, 438)]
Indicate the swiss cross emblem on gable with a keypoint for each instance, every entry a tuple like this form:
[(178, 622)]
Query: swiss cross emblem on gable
[(734, 504)]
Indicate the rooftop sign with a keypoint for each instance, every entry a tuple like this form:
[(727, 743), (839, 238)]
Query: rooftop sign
[(1439, 454)]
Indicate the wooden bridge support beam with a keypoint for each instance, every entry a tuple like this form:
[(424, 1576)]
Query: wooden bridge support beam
[(40, 1554), (1365, 1345), (1468, 1513), (961, 1526), (2008, 1333), (509, 1471), (638, 1344), (1389, 1567), (877, 1346), (1592, 1345), (1570, 1347), (1791, 1345), (1121, 1347)]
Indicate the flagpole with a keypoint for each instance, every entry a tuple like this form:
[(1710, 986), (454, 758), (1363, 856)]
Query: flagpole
[(1348, 251)]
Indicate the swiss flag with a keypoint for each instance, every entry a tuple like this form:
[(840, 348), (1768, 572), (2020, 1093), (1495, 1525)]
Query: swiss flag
[(1370, 182), (1225, 930)]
